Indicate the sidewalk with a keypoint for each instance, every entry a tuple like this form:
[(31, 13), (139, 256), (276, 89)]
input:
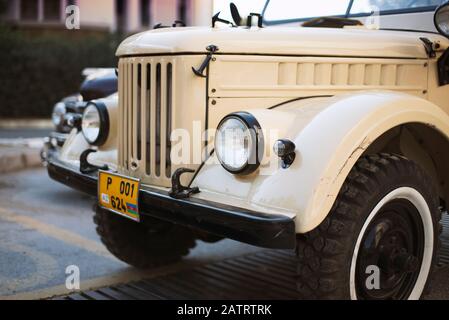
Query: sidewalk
[(25, 123), (19, 154), (21, 141)]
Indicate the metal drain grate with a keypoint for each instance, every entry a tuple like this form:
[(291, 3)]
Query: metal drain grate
[(444, 251), (265, 275)]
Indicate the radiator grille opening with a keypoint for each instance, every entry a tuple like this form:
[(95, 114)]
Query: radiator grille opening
[(148, 120), (169, 119), (145, 122), (158, 119)]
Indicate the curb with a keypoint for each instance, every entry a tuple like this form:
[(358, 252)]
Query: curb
[(20, 160), (26, 124), (20, 155), (34, 143)]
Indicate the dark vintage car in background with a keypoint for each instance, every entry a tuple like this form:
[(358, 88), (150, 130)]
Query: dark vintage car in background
[(67, 113)]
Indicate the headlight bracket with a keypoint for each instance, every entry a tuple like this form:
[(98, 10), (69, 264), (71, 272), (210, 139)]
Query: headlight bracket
[(86, 167)]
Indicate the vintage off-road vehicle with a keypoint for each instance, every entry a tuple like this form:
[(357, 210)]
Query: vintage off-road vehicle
[(331, 141)]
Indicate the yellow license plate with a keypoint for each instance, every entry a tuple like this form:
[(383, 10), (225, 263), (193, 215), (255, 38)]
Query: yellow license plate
[(119, 194)]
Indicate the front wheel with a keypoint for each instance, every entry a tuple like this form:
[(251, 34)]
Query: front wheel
[(381, 238), (149, 244)]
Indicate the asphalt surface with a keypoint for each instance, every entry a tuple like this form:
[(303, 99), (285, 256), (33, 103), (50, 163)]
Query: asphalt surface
[(46, 227)]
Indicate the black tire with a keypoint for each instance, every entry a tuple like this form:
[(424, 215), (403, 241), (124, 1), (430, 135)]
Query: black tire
[(325, 255), (149, 244)]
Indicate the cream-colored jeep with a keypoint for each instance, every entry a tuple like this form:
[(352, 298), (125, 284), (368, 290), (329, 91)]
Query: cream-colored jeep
[(331, 141)]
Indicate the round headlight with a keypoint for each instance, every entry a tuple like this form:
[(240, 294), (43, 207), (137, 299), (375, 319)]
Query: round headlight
[(95, 123), (239, 143), (58, 114)]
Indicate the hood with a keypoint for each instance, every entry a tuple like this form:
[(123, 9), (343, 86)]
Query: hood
[(360, 42)]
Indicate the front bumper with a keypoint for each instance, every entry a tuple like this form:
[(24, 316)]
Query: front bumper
[(263, 230)]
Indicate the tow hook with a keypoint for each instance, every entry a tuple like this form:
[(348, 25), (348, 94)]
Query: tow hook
[(86, 167), (178, 191)]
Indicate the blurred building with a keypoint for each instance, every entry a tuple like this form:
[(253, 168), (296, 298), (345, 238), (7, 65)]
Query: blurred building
[(109, 15)]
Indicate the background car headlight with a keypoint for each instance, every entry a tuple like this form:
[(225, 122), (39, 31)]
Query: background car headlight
[(239, 143), (95, 123), (57, 116)]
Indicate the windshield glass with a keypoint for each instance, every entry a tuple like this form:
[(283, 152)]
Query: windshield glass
[(287, 9), (281, 10), (365, 6)]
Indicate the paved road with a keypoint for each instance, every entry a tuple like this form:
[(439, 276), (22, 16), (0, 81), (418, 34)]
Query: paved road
[(45, 227)]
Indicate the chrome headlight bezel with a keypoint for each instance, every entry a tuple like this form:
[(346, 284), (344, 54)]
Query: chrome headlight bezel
[(58, 114), (441, 19), (102, 119), (255, 149)]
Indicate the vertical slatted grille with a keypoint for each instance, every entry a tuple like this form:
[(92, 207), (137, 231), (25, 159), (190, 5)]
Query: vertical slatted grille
[(145, 121)]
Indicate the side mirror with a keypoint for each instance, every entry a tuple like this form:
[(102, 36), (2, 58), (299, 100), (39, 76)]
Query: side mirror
[(441, 19)]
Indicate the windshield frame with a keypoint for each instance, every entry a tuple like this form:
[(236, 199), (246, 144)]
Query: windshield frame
[(346, 15)]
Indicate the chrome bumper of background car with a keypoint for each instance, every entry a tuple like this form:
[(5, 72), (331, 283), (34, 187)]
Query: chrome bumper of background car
[(58, 139), (51, 143), (263, 230)]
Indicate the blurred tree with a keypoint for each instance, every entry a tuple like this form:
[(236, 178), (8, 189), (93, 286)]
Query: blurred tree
[(37, 71), (3, 6)]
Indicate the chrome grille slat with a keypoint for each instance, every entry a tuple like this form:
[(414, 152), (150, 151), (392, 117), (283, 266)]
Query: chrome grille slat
[(145, 122)]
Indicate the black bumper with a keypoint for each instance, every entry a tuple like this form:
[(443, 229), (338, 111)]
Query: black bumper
[(263, 230)]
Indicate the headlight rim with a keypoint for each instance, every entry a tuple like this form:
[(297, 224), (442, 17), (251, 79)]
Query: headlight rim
[(60, 115), (442, 6), (104, 123), (257, 138)]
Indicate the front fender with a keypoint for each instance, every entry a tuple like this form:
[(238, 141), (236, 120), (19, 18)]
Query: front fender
[(330, 136)]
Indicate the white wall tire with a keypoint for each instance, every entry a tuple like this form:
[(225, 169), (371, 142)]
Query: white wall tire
[(420, 203), (388, 204)]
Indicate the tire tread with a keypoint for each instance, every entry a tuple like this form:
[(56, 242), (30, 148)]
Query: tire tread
[(322, 252), (135, 244)]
